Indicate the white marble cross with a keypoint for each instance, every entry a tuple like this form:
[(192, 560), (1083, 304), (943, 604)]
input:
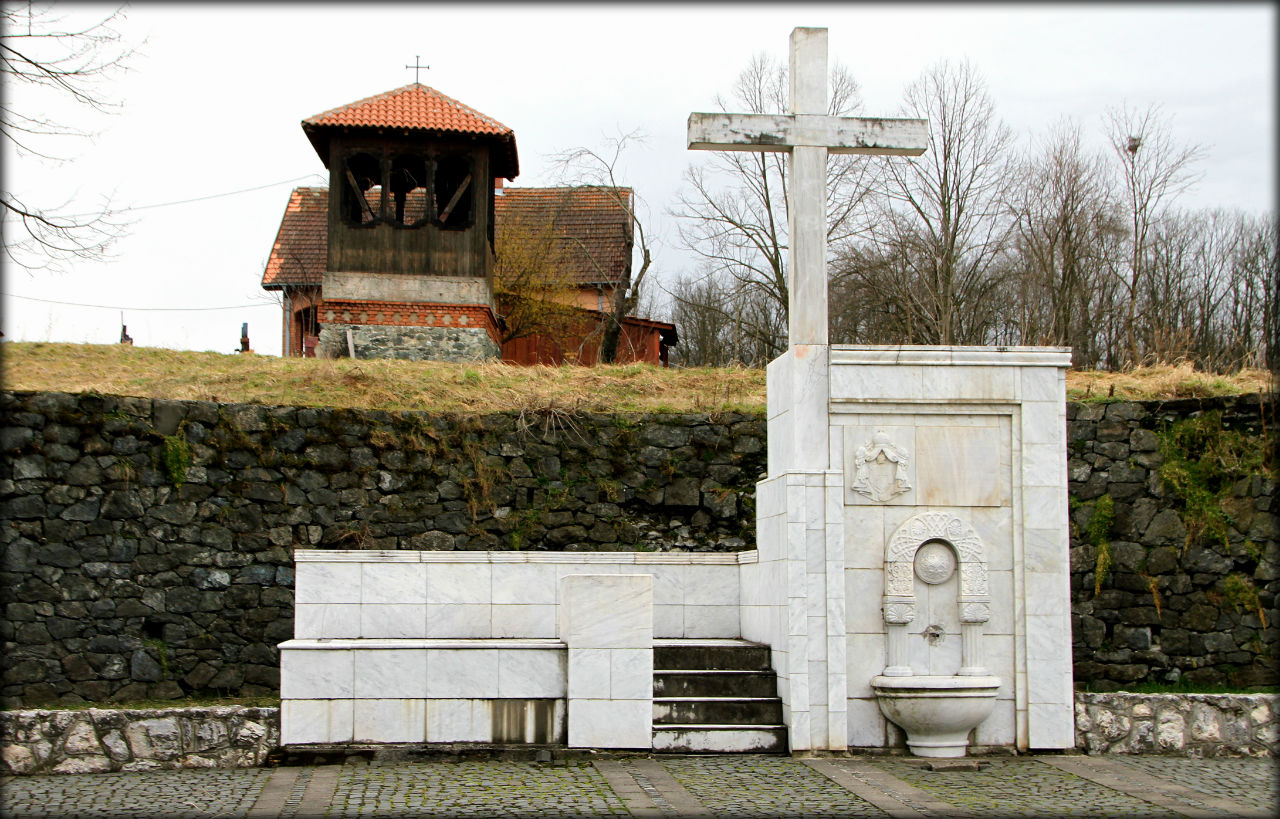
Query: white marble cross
[(808, 134)]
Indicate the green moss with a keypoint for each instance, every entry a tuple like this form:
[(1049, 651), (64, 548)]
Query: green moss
[(1202, 462), (1239, 591), (175, 457), (1097, 532)]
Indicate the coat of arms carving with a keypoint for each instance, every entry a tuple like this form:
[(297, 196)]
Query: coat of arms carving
[(880, 469)]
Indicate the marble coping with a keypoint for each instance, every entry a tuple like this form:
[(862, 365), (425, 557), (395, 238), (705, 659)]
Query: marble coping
[(362, 643), (932, 354), (570, 558)]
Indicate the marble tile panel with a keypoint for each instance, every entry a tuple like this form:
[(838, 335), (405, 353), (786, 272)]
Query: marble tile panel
[(1045, 550), (327, 583), (589, 672), (1050, 726), (469, 583), (1000, 728), (610, 723), (709, 586), (319, 621), (1000, 584), (470, 672), (1048, 641), (306, 721), (631, 673), (524, 583), (1044, 465), (316, 674), (960, 466), (866, 723), (711, 622), (393, 583), (409, 621), (1044, 507), (608, 612), (524, 621), (994, 383), (1043, 422), (669, 582), (454, 620), (391, 673), (902, 383), (864, 659), (1049, 689), (863, 596), (390, 720), (459, 720), (994, 527), (1048, 595), (532, 674), (668, 622), (1042, 384), (769, 496), (864, 537)]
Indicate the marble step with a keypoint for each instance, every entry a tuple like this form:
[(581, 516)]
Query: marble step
[(694, 739), (747, 711), (710, 654), (696, 682)]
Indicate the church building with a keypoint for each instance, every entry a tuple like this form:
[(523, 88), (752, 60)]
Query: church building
[(395, 258)]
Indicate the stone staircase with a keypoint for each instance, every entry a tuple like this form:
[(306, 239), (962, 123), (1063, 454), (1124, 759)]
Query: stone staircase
[(715, 696)]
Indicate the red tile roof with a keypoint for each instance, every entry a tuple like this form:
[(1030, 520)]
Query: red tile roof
[(414, 107), (300, 253), (592, 222)]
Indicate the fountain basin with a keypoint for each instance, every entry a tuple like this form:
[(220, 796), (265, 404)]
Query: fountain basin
[(937, 712)]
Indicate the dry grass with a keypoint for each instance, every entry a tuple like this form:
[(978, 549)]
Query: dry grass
[(1164, 382), (441, 387)]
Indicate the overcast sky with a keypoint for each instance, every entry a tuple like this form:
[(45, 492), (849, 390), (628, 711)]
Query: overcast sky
[(214, 98)]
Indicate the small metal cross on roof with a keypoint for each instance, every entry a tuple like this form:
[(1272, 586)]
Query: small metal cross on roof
[(415, 67)]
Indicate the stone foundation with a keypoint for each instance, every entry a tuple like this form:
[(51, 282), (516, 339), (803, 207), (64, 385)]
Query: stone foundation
[(409, 343), (39, 741), (1198, 725), (101, 740)]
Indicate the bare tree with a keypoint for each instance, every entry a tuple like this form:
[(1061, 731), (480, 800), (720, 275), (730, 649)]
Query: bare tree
[(1064, 223), (71, 62), (1154, 170), (599, 169), (733, 212), (935, 233), (533, 284)]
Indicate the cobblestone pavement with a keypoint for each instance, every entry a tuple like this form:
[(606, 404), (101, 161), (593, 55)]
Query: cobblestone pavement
[(1243, 780), (663, 786)]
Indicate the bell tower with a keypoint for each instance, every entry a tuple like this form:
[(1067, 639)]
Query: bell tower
[(410, 226)]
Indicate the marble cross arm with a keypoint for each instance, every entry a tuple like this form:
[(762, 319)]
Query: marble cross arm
[(781, 132)]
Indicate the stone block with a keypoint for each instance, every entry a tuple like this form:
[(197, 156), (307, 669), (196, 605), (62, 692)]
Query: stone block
[(606, 611)]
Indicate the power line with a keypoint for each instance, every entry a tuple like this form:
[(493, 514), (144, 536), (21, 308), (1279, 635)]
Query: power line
[(198, 198), (159, 309)]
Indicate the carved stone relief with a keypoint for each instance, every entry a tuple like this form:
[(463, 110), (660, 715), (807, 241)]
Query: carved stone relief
[(935, 562), (880, 469)]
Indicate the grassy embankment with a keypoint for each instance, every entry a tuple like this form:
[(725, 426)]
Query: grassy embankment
[(112, 369)]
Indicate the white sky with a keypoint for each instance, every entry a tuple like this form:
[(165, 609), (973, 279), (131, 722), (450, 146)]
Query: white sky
[(213, 102)]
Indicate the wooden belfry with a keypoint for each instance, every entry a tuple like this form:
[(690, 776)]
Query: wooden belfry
[(410, 225)]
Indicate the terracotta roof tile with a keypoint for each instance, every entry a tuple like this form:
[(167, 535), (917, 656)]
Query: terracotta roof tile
[(414, 106), (300, 252), (592, 222)]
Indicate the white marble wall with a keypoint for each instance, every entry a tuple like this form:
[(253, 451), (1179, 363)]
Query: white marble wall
[(607, 623), (986, 430), (410, 594)]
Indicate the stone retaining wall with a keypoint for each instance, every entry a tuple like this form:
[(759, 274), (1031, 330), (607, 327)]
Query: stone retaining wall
[(93, 741), (148, 544), (99, 740), (1199, 725), (1163, 586)]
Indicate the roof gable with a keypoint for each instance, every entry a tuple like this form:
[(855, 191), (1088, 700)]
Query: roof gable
[(415, 108)]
